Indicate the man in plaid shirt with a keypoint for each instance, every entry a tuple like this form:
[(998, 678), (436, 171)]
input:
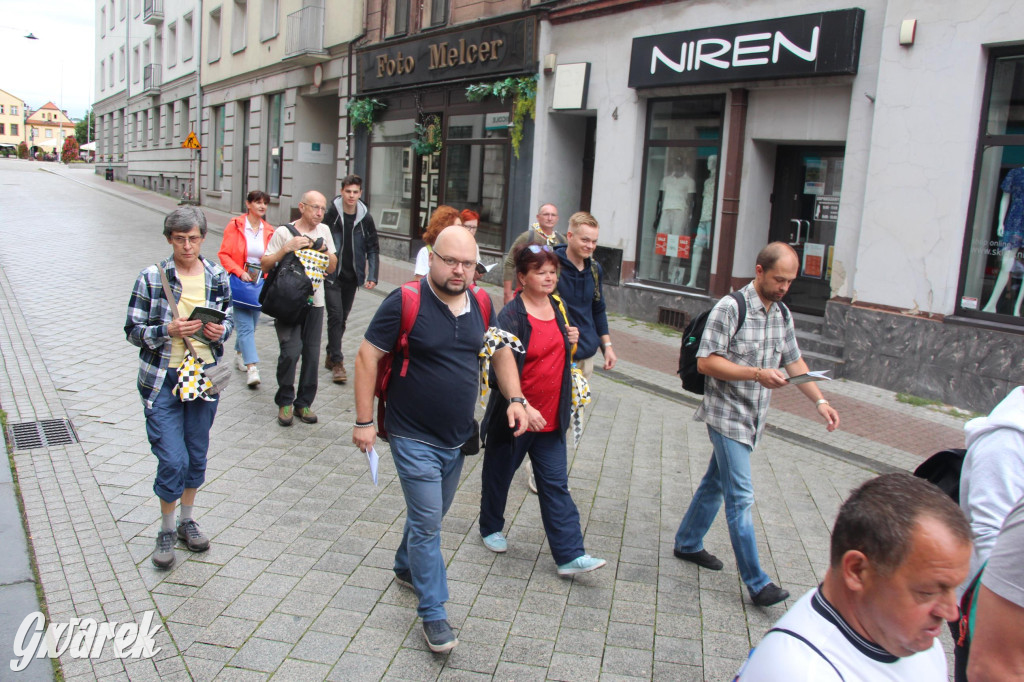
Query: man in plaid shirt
[(741, 369)]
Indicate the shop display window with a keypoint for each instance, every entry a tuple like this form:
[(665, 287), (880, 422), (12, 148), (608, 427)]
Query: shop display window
[(993, 271), (677, 209), (477, 158), (390, 185)]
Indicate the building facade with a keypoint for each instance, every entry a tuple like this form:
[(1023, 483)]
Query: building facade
[(46, 129), (276, 79), (12, 120), (881, 140)]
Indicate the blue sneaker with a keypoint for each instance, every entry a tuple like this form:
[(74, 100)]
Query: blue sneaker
[(439, 636), (496, 542), (583, 564), (404, 578)]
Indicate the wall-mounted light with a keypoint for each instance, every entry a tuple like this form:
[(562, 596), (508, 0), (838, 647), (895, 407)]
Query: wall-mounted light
[(549, 63), (907, 30)]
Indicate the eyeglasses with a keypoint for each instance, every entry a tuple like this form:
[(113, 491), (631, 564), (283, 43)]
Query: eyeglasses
[(452, 263), (181, 241), (537, 248), (316, 209)]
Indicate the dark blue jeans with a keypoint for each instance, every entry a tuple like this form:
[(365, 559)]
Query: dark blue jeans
[(557, 510), (179, 434)]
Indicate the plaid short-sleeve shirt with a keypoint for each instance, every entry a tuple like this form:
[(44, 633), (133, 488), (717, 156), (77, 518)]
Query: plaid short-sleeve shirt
[(737, 409)]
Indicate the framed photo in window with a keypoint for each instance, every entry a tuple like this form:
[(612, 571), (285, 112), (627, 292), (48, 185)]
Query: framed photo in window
[(407, 160), (407, 187), (434, 186), (390, 218)]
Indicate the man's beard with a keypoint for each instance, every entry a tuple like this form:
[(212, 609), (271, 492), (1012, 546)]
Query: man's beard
[(448, 288)]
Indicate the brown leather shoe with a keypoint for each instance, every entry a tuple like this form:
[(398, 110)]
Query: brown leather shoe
[(284, 415), (328, 363), (338, 374)]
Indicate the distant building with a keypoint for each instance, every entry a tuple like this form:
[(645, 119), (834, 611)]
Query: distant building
[(12, 120), (46, 129)]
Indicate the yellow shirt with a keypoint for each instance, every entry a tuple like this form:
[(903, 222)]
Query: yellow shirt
[(193, 293)]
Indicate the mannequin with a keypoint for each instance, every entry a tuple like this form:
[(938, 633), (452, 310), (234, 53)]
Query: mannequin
[(675, 202), (1011, 236), (707, 208)]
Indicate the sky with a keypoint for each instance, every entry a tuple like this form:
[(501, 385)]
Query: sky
[(59, 66)]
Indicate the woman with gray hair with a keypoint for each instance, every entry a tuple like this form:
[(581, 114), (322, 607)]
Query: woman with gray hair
[(179, 431)]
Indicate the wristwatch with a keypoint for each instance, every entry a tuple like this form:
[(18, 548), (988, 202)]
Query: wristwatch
[(521, 401)]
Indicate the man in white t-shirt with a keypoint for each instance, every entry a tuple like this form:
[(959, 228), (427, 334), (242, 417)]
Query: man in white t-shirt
[(303, 339), (900, 548)]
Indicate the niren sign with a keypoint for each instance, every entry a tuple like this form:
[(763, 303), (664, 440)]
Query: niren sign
[(479, 52), (822, 44)]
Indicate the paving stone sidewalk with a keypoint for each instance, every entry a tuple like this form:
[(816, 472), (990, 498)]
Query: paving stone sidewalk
[(297, 583)]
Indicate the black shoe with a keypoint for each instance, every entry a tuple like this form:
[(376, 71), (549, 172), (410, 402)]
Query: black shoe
[(769, 595), (702, 558), (439, 636), (404, 578)]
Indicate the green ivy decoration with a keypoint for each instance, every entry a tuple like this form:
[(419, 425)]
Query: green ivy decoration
[(427, 136), (522, 89), (363, 112)]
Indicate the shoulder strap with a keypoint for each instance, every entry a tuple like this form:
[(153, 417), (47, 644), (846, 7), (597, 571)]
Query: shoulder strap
[(565, 317), (813, 648), (784, 310), (741, 303), (291, 228), (597, 279), (410, 309), (483, 299)]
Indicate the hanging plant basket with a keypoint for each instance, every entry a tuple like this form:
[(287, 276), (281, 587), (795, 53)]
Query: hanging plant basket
[(363, 112), (522, 90), (427, 136)]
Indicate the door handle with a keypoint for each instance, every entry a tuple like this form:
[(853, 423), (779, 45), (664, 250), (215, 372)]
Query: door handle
[(807, 235), (799, 230)]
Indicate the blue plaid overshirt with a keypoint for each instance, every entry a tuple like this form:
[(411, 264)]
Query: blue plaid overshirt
[(149, 315)]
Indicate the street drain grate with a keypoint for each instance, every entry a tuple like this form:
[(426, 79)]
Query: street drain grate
[(30, 435)]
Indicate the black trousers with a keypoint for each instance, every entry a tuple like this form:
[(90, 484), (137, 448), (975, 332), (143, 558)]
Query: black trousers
[(338, 298), (299, 340)]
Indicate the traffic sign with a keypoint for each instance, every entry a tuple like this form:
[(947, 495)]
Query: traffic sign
[(191, 142)]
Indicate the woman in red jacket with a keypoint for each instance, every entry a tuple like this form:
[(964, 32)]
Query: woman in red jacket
[(245, 241)]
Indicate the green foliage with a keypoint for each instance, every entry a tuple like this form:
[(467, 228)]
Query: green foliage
[(363, 112), (70, 151), (85, 130), (427, 138), (522, 90), (22, 150)]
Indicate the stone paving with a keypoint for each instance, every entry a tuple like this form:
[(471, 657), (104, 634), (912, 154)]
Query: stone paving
[(297, 583)]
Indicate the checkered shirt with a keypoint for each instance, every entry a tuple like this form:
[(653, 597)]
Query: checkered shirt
[(149, 314), (737, 409)]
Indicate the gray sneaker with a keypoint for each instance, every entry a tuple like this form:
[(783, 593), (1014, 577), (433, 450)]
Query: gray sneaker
[(189, 533), (163, 555), (439, 636)]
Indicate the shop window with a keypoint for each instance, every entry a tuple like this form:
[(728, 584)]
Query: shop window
[(477, 158), (219, 117), (993, 271), (392, 175), (677, 218), (400, 18), (436, 13)]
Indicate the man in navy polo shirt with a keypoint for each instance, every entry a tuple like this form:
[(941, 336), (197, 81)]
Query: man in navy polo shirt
[(430, 412)]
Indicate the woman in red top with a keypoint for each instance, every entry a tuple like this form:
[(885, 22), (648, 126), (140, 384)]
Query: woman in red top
[(245, 242), (534, 316)]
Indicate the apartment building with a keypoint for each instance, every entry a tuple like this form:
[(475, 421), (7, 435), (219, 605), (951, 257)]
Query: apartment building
[(46, 128), (12, 120)]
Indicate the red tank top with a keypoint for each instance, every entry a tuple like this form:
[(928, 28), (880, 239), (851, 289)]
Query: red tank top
[(542, 370)]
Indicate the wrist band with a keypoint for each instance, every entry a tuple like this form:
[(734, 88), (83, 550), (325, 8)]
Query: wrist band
[(363, 425), (821, 401), (606, 345), (757, 374)]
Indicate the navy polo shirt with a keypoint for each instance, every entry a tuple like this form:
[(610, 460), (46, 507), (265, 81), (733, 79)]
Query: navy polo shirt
[(434, 402)]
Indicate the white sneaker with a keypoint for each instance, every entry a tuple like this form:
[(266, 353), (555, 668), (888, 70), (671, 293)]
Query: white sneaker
[(253, 378), (239, 362)]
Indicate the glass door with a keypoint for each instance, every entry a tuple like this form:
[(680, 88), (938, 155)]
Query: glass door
[(805, 211)]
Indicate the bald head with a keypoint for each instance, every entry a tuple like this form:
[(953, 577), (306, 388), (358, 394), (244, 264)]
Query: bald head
[(776, 253), (456, 238), (312, 208)]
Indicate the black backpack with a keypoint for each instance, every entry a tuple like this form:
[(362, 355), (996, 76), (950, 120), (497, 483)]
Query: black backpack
[(943, 469), (693, 381), (287, 293)]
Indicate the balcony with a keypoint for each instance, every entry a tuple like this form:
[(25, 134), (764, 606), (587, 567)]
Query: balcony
[(151, 80), (153, 12), (304, 41)]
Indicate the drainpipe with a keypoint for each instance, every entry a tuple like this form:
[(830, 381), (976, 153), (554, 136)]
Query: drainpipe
[(199, 98)]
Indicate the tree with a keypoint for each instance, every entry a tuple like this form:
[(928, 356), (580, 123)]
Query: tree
[(85, 130), (22, 150), (70, 151)]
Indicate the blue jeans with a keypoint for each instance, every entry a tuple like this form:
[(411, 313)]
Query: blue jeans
[(557, 510), (728, 475), (245, 332), (179, 434), (429, 477)]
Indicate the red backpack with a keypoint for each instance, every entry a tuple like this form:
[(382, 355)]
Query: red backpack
[(410, 309)]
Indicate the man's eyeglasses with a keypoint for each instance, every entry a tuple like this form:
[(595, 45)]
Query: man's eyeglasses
[(181, 240), (537, 248), (316, 209), (452, 263)]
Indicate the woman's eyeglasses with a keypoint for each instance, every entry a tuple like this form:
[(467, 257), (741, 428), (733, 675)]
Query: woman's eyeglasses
[(537, 248)]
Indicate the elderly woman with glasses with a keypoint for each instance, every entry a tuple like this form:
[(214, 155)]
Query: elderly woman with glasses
[(538, 318), (179, 432)]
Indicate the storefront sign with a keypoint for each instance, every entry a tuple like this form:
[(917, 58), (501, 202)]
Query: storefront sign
[(479, 52), (822, 44)]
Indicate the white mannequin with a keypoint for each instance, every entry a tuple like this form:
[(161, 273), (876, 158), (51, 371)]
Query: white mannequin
[(678, 189), (1009, 257), (707, 210)]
